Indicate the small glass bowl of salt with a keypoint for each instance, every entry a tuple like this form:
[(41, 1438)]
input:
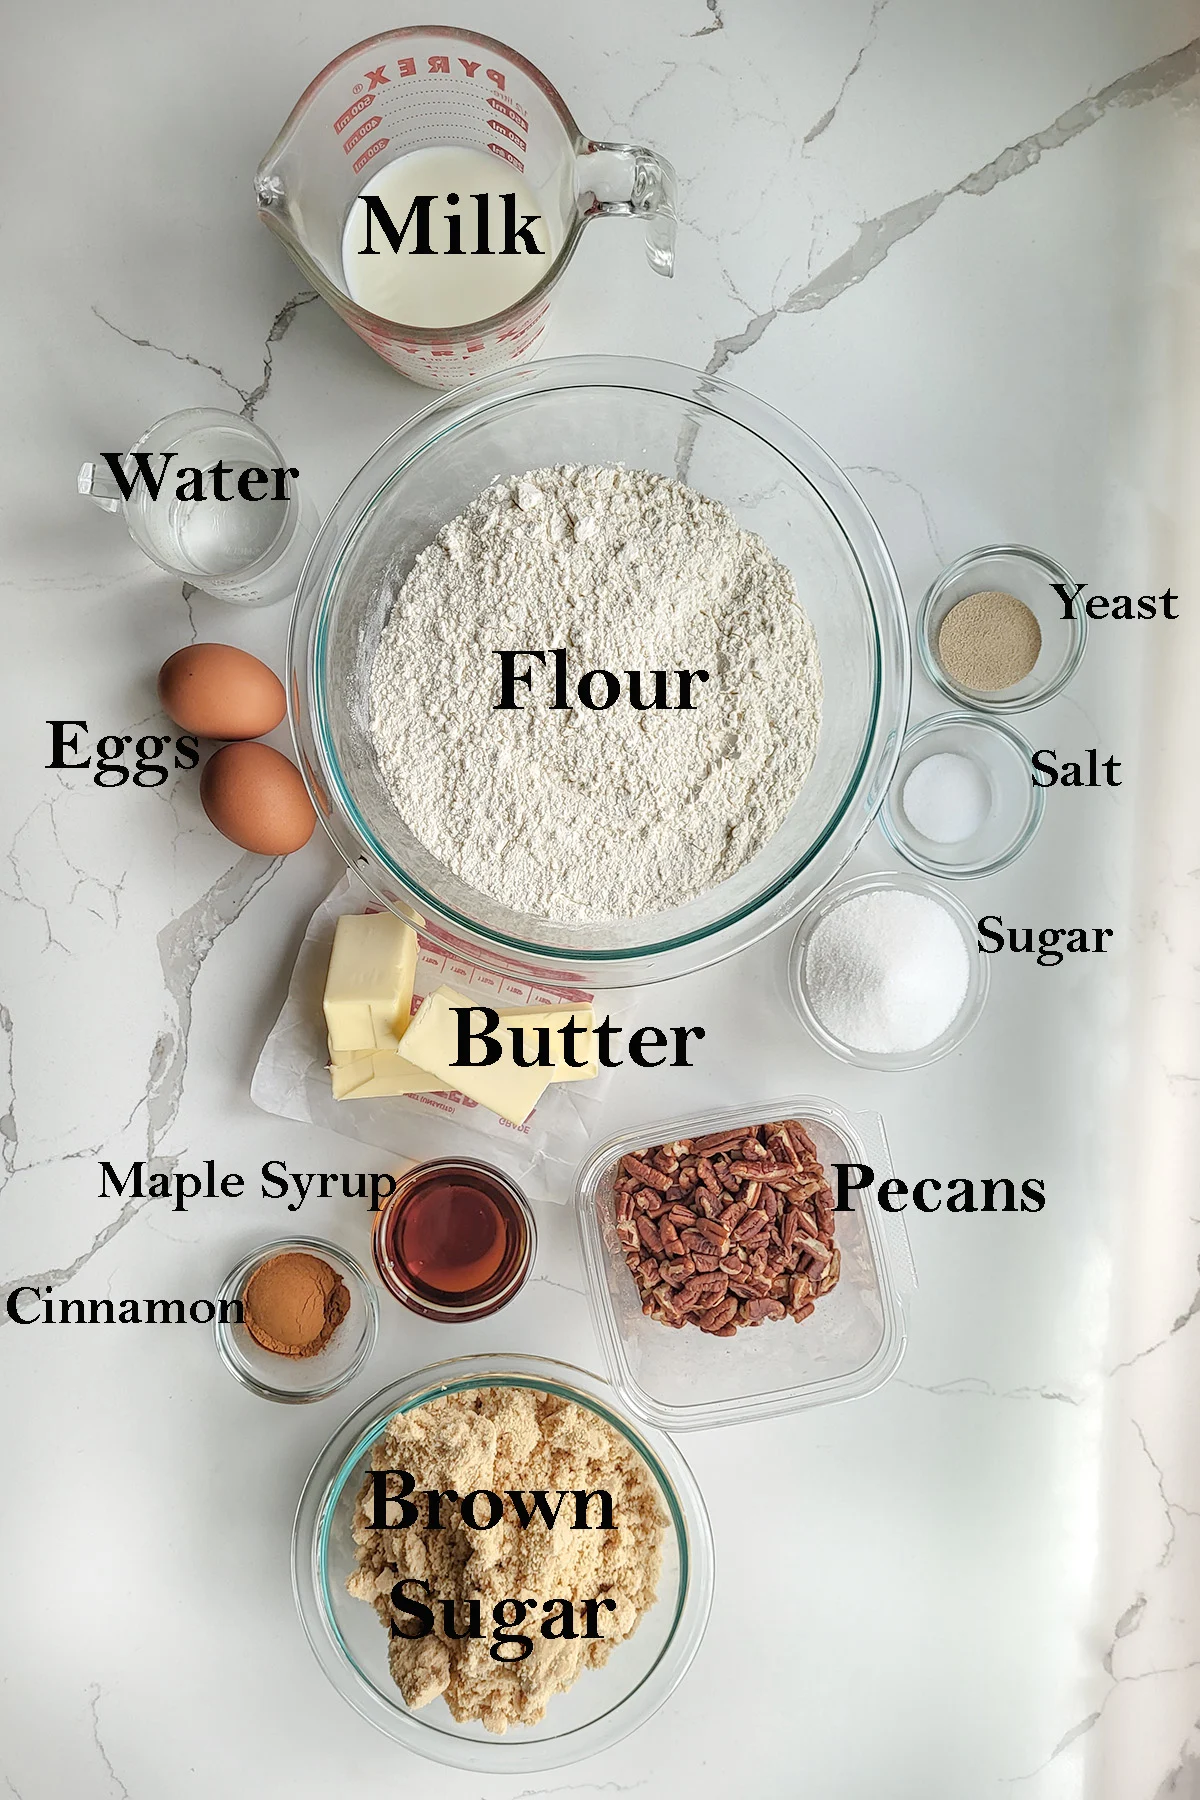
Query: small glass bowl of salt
[(886, 972), (963, 800)]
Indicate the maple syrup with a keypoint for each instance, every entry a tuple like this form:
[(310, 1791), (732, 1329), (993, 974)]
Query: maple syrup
[(455, 1241)]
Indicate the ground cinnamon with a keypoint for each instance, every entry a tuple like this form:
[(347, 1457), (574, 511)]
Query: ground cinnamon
[(293, 1303)]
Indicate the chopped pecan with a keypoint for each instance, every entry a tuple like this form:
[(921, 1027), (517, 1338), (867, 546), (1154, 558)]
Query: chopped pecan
[(755, 1311), (717, 1140), (727, 1230), (649, 1235), (669, 1237), (717, 1316), (715, 1232), (813, 1248), (699, 1285), (798, 1135), (651, 1177), (708, 1175)]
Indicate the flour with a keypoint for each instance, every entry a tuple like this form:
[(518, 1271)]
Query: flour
[(576, 815)]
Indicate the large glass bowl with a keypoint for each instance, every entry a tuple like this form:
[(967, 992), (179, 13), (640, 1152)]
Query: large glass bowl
[(647, 415), (604, 1704)]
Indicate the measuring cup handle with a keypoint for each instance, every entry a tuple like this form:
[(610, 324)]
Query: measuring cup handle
[(98, 485), (622, 181)]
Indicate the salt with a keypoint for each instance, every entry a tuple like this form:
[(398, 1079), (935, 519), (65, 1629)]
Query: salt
[(947, 798), (887, 971)]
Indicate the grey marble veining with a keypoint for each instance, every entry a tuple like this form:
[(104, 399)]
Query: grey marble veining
[(957, 244)]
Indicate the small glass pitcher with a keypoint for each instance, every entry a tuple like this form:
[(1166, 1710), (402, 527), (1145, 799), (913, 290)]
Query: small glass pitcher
[(249, 548), (431, 84)]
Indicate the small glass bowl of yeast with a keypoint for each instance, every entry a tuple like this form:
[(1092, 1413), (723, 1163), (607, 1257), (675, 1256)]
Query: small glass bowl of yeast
[(997, 572)]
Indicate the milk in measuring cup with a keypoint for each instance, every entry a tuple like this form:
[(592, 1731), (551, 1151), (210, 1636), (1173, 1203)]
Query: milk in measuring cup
[(468, 274)]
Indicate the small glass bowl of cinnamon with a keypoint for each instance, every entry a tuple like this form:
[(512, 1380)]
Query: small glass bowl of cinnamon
[(309, 1318)]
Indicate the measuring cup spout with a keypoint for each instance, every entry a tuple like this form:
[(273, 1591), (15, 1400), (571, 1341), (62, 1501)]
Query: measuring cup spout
[(97, 483), (628, 181)]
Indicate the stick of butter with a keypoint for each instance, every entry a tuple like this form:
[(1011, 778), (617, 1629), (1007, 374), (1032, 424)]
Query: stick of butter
[(381, 1075), (431, 1042), (370, 981), (555, 1017)]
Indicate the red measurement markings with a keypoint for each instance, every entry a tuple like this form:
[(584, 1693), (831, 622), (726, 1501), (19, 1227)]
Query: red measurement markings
[(510, 112), (371, 152), (351, 112), (499, 150), (364, 130), (522, 327), (508, 132)]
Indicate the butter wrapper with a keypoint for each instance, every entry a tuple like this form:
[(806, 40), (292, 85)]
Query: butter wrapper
[(291, 1080)]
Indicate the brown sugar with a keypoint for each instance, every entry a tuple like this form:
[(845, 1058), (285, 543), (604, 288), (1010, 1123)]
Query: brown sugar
[(293, 1303), (504, 1439)]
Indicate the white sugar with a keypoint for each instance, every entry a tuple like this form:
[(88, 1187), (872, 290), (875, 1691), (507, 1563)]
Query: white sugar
[(887, 971)]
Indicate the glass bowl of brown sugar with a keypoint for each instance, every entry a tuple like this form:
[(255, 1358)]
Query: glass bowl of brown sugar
[(613, 1695), (995, 633), (296, 1320)]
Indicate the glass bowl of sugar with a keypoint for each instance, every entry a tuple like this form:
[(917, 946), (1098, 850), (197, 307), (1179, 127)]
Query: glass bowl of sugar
[(885, 972), (963, 802)]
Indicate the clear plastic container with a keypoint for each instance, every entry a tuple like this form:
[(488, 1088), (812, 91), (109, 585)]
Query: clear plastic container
[(852, 1343), (605, 1704)]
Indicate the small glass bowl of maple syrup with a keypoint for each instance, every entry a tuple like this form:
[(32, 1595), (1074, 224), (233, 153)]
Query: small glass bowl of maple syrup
[(455, 1241)]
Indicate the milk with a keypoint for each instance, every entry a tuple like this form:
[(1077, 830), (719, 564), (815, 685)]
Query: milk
[(468, 255)]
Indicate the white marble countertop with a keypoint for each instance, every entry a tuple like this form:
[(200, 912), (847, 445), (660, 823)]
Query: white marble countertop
[(956, 243)]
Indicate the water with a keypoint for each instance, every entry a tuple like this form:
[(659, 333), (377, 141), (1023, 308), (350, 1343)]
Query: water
[(212, 538), (220, 537)]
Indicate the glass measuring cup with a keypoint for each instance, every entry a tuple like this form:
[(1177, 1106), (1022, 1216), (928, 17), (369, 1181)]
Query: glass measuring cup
[(249, 551), (431, 84)]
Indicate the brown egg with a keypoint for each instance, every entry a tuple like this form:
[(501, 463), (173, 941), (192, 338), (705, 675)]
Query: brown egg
[(256, 798), (219, 692)]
